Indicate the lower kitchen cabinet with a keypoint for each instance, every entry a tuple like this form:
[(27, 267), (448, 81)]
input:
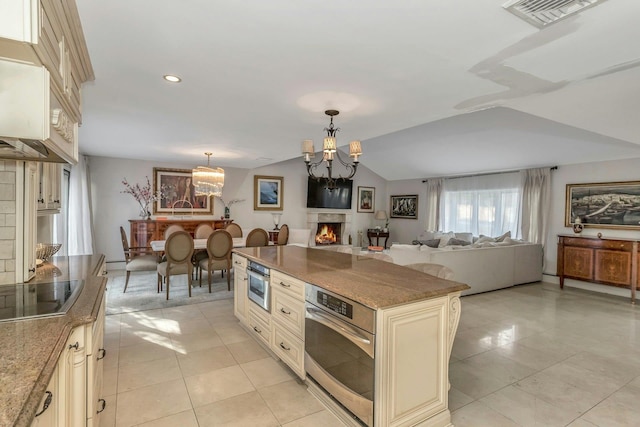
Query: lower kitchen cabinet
[(240, 283), (49, 409)]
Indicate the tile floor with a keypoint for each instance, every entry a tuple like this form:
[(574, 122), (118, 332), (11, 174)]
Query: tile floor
[(530, 355)]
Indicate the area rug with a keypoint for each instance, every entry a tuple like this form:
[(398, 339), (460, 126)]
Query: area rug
[(142, 292)]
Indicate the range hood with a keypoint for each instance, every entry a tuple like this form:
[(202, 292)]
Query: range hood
[(27, 149), (33, 125)]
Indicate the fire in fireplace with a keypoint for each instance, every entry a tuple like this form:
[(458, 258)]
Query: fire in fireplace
[(328, 233)]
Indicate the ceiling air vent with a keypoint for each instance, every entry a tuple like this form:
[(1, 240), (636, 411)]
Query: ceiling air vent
[(544, 12)]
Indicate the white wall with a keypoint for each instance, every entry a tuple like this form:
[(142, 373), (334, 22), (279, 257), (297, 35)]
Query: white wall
[(112, 209)]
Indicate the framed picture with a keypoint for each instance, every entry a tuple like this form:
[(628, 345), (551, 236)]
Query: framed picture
[(366, 199), (179, 194), (604, 205), (267, 193), (404, 206)]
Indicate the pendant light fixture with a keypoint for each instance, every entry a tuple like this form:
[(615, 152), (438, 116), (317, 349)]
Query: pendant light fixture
[(208, 181), (329, 152)]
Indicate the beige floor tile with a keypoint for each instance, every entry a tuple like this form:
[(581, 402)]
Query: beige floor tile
[(129, 337), (618, 410), (266, 372), (478, 415), (458, 399), (151, 403), (203, 361), (289, 401), (231, 333), (245, 410), (112, 324), (526, 409), (136, 375), (185, 344), (323, 418), (112, 356), (497, 367), (531, 357), (189, 326), (247, 351), (109, 381), (182, 419), (145, 352), (184, 312), (580, 422), (472, 382), (217, 385)]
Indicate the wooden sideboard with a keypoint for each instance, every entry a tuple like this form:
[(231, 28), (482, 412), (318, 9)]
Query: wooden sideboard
[(612, 262), (144, 231)]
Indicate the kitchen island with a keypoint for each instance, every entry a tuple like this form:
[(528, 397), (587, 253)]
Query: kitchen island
[(415, 319), (33, 347)]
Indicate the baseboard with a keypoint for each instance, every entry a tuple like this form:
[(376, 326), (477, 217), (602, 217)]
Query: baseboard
[(587, 286)]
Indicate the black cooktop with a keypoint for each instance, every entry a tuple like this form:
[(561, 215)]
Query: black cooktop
[(26, 300)]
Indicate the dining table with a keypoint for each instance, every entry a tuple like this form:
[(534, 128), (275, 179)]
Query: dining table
[(158, 245)]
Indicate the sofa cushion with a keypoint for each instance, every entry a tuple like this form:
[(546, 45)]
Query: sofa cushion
[(504, 236), (465, 236), (445, 237), (458, 242)]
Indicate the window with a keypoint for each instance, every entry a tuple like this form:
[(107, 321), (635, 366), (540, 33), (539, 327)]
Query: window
[(486, 205)]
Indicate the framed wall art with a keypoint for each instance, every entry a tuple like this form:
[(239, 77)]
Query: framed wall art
[(366, 199), (604, 205), (179, 196), (404, 206), (268, 193)]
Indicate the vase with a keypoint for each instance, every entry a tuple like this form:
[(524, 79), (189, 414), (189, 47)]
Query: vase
[(144, 212), (227, 212)]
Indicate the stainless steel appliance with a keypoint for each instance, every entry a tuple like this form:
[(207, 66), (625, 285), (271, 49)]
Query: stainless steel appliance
[(258, 289), (339, 349), (26, 300)]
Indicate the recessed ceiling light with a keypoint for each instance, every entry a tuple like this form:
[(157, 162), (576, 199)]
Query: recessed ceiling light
[(171, 78)]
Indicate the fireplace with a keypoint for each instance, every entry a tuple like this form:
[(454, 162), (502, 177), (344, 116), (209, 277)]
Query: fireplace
[(328, 233), (329, 226)]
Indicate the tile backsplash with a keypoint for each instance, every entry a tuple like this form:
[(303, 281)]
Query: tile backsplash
[(7, 221)]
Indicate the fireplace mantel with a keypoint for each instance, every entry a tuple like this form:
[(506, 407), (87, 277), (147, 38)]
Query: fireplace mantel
[(313, 218)]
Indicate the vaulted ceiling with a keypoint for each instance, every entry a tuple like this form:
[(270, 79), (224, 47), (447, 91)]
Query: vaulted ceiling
[(431, 87)]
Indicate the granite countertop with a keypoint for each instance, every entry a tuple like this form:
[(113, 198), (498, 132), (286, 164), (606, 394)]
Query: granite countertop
[(31, 347), (374, 283)]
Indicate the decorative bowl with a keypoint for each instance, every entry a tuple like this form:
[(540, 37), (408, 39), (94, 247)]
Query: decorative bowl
[(44, 251)]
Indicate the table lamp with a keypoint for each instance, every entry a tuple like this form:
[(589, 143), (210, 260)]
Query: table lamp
[(383, 216)]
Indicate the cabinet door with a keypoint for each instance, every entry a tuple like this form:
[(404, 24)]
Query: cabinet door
[(613, 267), (578, 263), (48, 409), (26, 221), (240, 298), (19, 20), (73, 380), (50, 186)]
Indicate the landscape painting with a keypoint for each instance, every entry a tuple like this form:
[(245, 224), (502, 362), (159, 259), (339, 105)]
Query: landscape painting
[(604, 205)]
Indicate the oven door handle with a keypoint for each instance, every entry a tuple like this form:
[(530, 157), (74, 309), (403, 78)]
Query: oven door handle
[(338, 326)]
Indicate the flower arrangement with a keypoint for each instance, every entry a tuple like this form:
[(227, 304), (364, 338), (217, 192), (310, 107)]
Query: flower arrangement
[(143, 195), (227, 205)]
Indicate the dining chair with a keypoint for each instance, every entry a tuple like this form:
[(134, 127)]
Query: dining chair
[(234, 229), (136, 258), (257, 237), (219, 246), (437, 270), (202, 231), (283, 235), (178, 249), (172, 229)]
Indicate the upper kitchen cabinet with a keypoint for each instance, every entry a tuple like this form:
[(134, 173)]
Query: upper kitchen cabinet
[(50, 187), (48, 33)]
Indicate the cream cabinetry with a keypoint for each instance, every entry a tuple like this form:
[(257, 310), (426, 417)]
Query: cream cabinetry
[(49, 409), (50, 185), (95, 368), (26, 221), (240, 283)]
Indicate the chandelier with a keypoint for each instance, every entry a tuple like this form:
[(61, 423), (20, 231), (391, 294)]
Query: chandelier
[(329, 152), (208, 181)]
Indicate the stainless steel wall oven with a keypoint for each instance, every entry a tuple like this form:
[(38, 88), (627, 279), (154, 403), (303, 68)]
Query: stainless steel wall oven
[(258, 290), (339, 349)]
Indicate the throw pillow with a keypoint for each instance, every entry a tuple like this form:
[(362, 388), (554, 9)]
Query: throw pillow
[(465, 236), (484, 239), (433, 243), (504, 236), (445, 237), (457, 242)]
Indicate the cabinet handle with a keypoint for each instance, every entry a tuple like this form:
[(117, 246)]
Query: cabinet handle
[(32, 270), (76, 345), (255, 328), (282, 310), (237, 263), (245, 279), (286, 285), (56, 201), (46, 404), (102, 353), (284, 347), (104, 405), (40, 200)]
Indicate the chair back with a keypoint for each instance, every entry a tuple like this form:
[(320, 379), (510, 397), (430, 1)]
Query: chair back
[(283, 235), (219, 245), (257, 237), (125, 245), (179, 247), (172, 229), (203, 231), (437, 270), (234, 229)]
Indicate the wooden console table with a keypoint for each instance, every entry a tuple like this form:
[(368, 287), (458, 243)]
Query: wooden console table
[(612, 262), (144, 231), (377, 234)]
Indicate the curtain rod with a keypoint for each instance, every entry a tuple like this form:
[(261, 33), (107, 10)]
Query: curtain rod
[(481, 174)]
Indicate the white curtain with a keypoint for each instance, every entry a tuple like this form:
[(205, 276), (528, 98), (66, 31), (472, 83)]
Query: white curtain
[(485, 204), (434, 194), (536, 196), (80, 224)]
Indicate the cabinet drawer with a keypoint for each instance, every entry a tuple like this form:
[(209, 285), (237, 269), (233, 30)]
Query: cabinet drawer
[(584, 242), (239, 262), (288, 284), (289, 311), (259, 328), (289, 348)]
